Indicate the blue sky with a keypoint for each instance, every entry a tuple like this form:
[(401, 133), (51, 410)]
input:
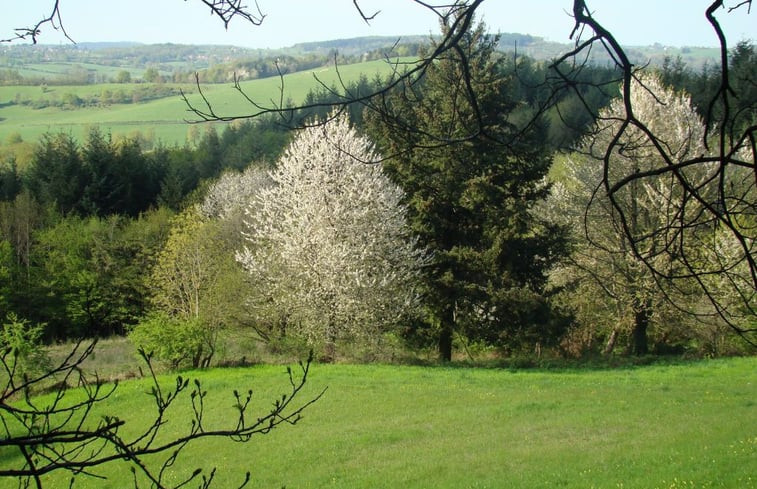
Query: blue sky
[(674, 23)]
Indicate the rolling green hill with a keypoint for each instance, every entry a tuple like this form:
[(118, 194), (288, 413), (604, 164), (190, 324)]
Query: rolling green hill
[(44, 104), (163, 119)]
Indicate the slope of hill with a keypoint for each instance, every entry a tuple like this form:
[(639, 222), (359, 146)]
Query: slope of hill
[(162, 119), (70, 87)]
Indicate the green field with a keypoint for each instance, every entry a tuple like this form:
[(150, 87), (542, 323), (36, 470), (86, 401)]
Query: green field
[(53, 70), (667, 426), (163, 120)]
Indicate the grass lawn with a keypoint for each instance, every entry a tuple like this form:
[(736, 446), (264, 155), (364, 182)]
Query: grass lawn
[(674, 426)]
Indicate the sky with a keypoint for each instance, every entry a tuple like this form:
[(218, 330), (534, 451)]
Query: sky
[(287, 22)]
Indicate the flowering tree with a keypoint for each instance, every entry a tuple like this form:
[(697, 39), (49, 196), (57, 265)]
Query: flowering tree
[(230, 194), (328, 246), (623, 246)]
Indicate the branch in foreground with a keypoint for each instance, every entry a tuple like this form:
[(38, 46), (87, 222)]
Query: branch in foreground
[(57, 432), (33, 33)]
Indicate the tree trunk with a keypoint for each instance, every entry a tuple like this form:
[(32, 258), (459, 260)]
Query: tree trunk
[(445, 334), (329, 352), (610, 346), (329, 347), (641, 323)]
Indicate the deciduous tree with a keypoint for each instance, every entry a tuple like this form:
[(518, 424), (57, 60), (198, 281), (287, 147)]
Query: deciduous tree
[(605, 261), (197, 281), (329, 251), (85, 278)]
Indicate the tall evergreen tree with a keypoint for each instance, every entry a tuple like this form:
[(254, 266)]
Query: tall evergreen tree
[(470, 193), (57, 175)]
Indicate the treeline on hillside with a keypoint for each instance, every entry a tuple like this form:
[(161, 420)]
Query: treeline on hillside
[(85, 226), (70, 100), (101, 177), (164, 65), (122, 55), (702, 84), (24, 65), (251, 69)]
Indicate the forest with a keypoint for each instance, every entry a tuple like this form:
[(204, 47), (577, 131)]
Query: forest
[(102, 237)]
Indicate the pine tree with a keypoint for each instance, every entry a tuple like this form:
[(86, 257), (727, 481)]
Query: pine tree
[(470, 188)]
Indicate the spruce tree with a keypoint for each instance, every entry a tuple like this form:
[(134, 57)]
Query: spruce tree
[(471, 176)]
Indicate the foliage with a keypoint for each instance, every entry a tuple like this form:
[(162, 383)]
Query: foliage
[(469, 192), (19, 220), (79, 276), (196, 288), (180, 342), (227, 197), (611, 288), (121, 179), (123, 76), (194, 275), (6, 267), (101, 178), (86, 275), (56, 175), (21, 342), (10, 179), (329, 253), (251, 142), (703, 85)]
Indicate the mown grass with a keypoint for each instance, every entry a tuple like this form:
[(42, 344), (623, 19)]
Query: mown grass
[(671, 426), (165, 119)]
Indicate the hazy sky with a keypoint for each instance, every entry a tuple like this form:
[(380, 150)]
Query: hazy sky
[(635, 22)]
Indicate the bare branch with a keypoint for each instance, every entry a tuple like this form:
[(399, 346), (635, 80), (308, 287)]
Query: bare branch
[(60, 436), (226, 10), (33, 33), (366, 18), (229, 9)]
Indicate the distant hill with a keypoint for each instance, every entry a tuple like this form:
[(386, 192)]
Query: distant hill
[(94, 46), (524, 44), (355, 46), (94, 62)]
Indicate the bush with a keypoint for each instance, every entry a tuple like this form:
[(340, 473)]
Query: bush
[(176, 341), (23, 341)]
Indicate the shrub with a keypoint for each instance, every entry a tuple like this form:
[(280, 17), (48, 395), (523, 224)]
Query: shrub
[(178, 342), (23, 340)]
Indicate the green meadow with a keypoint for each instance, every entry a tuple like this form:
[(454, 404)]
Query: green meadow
[(687, 425), (162, 120), (41, 70)]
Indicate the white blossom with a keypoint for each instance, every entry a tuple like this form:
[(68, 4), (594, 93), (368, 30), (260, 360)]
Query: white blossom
[(656, 210), (232, 192), (328, 244)]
